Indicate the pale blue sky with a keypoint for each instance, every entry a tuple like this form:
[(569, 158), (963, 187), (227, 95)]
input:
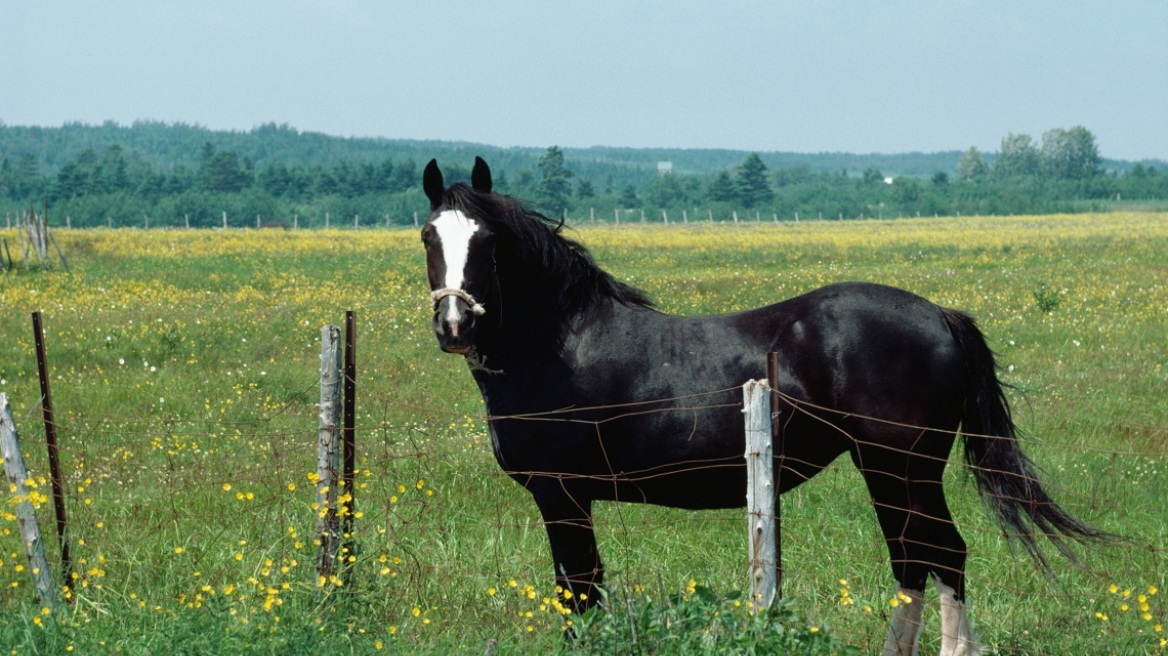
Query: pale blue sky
[(885, 77)]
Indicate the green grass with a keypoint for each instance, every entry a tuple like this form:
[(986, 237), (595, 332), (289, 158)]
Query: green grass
[(184, 370)]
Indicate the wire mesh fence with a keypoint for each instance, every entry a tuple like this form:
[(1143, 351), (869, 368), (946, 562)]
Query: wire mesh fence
[(181, 515)]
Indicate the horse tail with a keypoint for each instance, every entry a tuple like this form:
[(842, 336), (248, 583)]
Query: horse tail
[(1006, 479)]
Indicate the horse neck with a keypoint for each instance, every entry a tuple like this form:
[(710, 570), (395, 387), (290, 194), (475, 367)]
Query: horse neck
[(532, 322)]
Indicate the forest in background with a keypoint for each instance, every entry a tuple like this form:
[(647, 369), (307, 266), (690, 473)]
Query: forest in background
[(158, 174)]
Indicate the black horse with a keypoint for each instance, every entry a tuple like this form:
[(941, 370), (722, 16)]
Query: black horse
[(594, 395)]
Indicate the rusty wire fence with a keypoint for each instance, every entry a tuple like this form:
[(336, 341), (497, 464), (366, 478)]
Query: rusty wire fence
[(189, 515)]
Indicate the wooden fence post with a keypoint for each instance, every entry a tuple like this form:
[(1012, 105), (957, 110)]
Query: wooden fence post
[(760, 491), (328, 461), (61, 255), (30, 532), (55, 478)]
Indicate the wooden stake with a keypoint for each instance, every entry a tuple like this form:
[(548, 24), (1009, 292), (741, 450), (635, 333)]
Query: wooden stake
[(760, 492), (59, 253), (328, 454), (30, 531)]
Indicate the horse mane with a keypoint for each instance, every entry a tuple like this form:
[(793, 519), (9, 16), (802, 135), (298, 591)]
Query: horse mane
[(543, 253)]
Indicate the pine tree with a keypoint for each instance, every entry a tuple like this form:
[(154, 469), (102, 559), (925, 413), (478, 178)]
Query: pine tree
[(722, 189), (554, 188), (752, 184)]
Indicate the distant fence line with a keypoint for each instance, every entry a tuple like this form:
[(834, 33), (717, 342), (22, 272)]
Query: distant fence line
[(625, 216)]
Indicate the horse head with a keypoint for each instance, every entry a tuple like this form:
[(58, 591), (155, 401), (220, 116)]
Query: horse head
[(460, 257)]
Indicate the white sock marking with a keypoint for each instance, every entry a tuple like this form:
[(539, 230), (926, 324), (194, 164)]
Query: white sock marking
[(956, 636), (905, 631)]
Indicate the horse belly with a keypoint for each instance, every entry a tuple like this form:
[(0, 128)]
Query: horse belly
[(698, 488), (682, 458)]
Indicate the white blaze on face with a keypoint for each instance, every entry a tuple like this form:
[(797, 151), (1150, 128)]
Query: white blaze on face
[(455, 230)]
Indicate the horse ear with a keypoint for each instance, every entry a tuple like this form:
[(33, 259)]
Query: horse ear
[(432, 184), (480, 176)]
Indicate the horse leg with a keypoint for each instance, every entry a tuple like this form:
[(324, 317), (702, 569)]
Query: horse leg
[(568, 520), (932, 538), (890, 504), (922, 540), (956, 635)]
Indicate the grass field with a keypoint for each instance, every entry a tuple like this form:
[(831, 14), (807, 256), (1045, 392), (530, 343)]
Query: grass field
[(184, 373)]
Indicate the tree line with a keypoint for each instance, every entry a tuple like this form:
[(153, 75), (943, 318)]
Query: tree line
[(128, 185)]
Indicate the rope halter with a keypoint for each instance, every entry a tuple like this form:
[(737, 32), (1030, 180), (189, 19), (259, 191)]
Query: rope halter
[(437, 295)]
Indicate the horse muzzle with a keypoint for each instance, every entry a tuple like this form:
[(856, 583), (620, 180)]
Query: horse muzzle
[(454, 325)]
